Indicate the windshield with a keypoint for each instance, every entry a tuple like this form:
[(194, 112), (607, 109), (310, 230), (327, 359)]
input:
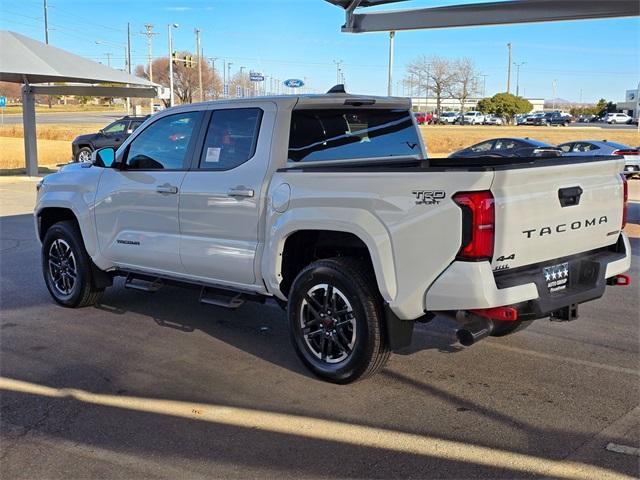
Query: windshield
[(346, 134)]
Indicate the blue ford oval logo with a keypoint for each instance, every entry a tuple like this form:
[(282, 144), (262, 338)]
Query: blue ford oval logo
[(293, 83)]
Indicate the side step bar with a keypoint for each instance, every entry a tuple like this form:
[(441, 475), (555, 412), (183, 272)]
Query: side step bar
[(143, 284), (221, 298)]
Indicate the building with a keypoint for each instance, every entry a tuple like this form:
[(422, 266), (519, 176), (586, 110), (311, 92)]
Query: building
[(423, 104), (631, 104)]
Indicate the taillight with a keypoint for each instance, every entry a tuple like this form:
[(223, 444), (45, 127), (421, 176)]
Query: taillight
[(626, 152), (478, 225), (625, 198)]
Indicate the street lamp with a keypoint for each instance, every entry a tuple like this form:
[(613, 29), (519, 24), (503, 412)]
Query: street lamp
[(242, 80), (518, 65), (229, 78), (170, 28)]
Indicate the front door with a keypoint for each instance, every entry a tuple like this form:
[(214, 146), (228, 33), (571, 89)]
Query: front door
[(137, 206), (222, 196)]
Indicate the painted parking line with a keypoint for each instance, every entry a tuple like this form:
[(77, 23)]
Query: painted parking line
[(332, 431), (625, 449)]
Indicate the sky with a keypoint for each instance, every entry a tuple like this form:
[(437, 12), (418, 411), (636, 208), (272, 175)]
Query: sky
[(588, 60)]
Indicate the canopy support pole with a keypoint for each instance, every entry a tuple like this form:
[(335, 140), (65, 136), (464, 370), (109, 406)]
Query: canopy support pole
[(29, 126)]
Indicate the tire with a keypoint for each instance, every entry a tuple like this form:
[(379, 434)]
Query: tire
[(565, 124), (83, 155), (66, 267), (349, 346), (501, 329)]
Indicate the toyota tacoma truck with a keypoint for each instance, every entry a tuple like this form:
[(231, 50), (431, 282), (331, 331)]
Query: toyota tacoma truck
[(329, 205)]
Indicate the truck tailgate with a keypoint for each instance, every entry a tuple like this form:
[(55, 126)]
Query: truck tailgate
[(552, 210)]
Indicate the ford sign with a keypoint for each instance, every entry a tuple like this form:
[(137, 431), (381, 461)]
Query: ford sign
[(293, 83)]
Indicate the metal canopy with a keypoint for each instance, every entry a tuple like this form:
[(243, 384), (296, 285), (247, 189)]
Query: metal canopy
[(477, 14), (25, 60)]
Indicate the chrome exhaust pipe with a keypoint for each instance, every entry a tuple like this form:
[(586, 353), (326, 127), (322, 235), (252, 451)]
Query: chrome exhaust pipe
[(474, 331)]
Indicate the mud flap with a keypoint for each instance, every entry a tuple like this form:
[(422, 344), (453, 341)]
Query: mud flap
[(399, 332)]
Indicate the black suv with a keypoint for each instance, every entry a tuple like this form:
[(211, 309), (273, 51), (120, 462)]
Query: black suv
[(551, 118), (110, 136)]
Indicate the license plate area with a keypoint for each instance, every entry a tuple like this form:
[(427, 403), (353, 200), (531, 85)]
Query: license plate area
[(557, 277)]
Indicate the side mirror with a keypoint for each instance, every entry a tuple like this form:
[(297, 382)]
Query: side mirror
[(104, 157)]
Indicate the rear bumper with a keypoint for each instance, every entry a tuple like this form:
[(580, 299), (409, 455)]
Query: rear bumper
[(467, 285)]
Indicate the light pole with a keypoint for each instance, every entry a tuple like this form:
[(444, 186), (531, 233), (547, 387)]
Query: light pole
[(213, 77), (242, 80), (198, 56), (392, 36), (555, 89), (337, 63), (170, 28), (229, 78), (509, 69), (518, 65)]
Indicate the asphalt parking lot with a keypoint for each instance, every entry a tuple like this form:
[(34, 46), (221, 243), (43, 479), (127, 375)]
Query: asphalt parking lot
[(159, 386)]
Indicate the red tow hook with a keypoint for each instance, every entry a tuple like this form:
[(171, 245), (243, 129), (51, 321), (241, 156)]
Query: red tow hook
[(506, 314), (619, 280)]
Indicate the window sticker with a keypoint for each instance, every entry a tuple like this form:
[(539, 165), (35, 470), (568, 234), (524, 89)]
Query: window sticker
[(213, 155)]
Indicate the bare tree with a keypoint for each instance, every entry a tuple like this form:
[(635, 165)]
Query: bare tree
[(432, 75), (185, 78), (464, 82)]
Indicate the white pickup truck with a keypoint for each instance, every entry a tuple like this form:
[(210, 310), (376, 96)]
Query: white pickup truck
[(329, 205)]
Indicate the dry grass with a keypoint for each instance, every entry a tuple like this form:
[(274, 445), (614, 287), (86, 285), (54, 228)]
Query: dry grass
[(443, 140), (52, 131), (50, 154)]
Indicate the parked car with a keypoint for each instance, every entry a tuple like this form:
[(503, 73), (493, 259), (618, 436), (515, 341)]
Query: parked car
[(509, 147), (113, 135), (448, 117), (493, 120), (548, 119), (326, 203), (424, 118), (588, 118), (617, 118), (522, 119), (590, 148), (471, 118)]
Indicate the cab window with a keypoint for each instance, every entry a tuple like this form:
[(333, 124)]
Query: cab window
[(231, 138), (482, 147), (163, 145), (115, 128)]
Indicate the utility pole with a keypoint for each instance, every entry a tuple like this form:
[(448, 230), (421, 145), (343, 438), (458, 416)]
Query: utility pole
[(46, 24), (337, 63), (229, 78), (555, 94), (518, 65), (128, 47), (484, 85), (108, 54), (509, 69), (170, 27), (392, 36), (213, 77), (149, 34), (198, 53)]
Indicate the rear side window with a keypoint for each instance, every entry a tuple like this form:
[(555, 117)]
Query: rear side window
[(231, 138), (345, 134)]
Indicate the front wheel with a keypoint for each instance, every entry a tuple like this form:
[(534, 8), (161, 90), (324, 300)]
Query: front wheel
[(83, 155), (66, 267), (336, 320)]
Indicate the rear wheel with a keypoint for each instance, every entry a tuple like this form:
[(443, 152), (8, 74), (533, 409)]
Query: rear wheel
[(335, 320), (66, 267)]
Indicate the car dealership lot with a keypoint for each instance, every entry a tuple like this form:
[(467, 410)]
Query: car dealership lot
[(156, 385)]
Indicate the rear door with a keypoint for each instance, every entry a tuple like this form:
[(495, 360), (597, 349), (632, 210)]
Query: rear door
[(557, 208), (222, 197), (137, 206)]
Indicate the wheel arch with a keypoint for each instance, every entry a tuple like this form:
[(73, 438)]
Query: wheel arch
[(297, 238)]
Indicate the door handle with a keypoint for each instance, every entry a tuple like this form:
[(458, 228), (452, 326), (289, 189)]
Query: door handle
[(166, 188), (240, 192)]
